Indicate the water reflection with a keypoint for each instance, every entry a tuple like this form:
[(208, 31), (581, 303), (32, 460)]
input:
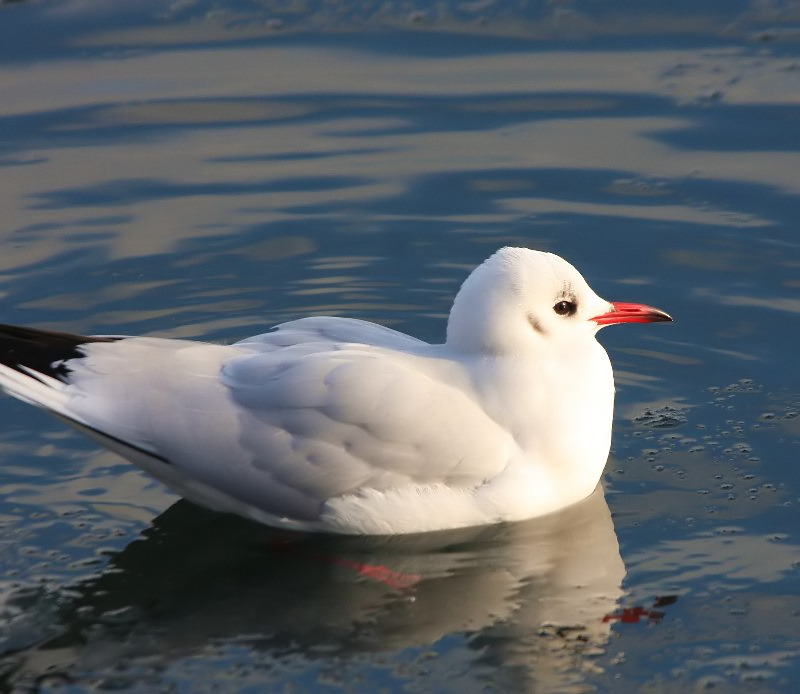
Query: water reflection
[(527, 598), (187, 144)]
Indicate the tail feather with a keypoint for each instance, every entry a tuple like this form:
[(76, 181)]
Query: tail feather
[(35, 389), (42, 352), (34, 365)]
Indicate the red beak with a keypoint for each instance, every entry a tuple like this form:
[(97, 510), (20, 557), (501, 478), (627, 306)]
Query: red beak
[(631, 313)]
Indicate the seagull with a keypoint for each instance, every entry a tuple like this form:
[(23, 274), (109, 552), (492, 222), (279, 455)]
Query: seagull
[(339, 425)]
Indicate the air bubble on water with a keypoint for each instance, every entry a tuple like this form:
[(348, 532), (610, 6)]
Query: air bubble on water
[(121, 616), (729, 530), (778, 537), (661, 417)]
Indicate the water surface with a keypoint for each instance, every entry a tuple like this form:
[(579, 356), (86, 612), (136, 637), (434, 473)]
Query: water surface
[(206, 170)]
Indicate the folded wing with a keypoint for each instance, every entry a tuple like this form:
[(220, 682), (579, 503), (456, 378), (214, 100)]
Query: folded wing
[(280, 423)]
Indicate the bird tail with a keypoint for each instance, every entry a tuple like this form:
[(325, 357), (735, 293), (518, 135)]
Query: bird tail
[(34, 365)]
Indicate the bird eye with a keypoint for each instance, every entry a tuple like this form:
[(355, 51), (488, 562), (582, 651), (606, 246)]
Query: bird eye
[(565, 308)]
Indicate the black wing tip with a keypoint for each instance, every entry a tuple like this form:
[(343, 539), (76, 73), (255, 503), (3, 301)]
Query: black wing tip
[(44, 351)]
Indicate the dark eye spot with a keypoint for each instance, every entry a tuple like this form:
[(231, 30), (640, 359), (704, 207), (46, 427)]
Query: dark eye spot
[(565, 308)]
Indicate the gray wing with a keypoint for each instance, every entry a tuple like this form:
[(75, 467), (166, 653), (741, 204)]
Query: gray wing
[(331, 330), (286, 427), (333, 423)]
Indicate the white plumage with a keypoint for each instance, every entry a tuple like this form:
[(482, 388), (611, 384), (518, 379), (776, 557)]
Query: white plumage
[(335, 424)]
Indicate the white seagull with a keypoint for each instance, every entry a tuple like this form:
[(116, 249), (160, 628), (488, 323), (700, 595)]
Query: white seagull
[(340, 425)]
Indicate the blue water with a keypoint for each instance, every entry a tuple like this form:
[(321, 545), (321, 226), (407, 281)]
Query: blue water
[(205, 170)]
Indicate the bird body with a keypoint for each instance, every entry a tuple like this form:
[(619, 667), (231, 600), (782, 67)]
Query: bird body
[(340, 425)]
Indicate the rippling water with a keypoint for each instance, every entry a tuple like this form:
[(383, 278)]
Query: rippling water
[(206, 170)]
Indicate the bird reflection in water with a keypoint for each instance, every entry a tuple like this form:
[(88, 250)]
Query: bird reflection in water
[(534, 601)]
